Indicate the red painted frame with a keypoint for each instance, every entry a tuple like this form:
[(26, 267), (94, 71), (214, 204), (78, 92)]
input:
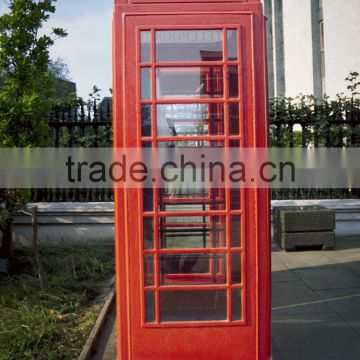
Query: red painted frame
[(246, 339)]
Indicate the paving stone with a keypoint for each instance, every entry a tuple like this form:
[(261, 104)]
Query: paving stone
[(354, 267), (277, 265), (342, 257), (329, 278), (295, 298), (350, 245), (276, 355), (346, 303), (282, 275), (315, 337), (305, 259)]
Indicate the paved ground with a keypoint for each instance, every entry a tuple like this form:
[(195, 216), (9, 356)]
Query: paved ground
[(316, 305), (106, 345)]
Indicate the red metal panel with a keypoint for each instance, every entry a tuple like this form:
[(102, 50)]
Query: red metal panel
[(183, 1), (248, 338)]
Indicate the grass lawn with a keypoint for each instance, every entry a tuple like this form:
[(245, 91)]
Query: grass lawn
[(56, 324)]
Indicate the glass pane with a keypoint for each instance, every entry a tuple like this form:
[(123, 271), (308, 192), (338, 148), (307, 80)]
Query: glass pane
[(147, 199), (145, 40), (189, 82), (189, 45), (234, 125), (190, 144), (234, 143), (236, 268), (150, 306), (148, 233), (145, 120), (188, 232), (180, 269), (235, 228), (235, 199), (232, 44), (193, 305), (233, 81), (190, 119), (146, 144), (187, 199), (148, 270), (145, 84), (236, 304)]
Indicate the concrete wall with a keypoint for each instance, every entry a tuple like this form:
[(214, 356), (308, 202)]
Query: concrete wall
[(75, 223), (93, 223)]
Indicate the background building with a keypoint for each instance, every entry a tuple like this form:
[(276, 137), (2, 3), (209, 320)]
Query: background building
[(312, 45)]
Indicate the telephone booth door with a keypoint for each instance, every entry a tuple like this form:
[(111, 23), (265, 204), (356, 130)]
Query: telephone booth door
[(193, 269)]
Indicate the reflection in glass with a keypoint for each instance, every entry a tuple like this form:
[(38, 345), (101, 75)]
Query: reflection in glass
[(234, 125), (193, 305), (149, 306), (146, 144), (145, 120), (235, 199), (190, 119), (232, 45), (145, 40), (233, 81), (234, 143), (191, 144), (236, 268), (235, 231), (173, 198), (193, 269), (147, 198), (181, 232), (148, 233), (189, 45), (145, 84), (148, 270), (236, 304), (189, 82)]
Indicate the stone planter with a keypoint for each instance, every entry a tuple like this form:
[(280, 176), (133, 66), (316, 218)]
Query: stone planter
[(304, 226)]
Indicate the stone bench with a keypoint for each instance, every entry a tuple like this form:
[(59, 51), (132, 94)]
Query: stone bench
[(304, 226)]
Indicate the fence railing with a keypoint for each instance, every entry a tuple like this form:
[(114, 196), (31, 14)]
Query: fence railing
[(329, 124), (88, 126), (85, 126)]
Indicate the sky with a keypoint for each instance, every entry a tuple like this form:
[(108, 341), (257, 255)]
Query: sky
[(87, 48)]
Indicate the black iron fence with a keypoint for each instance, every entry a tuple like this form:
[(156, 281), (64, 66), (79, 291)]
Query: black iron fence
[(82, 126), (300, 123), (86, 126)]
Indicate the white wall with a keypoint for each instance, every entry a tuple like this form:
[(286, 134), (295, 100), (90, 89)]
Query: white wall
[(298, 47), (342, 42)]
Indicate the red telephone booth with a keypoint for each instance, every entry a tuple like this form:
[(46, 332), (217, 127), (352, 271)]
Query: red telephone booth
[(192, 265)]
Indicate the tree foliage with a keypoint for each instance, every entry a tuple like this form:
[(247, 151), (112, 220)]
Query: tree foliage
[(26, 85), (307, 121), (26, 89), (59, 69)]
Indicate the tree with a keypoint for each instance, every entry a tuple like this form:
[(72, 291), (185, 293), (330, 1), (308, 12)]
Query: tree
[(26, 89), (59, 69), (65, 89)]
